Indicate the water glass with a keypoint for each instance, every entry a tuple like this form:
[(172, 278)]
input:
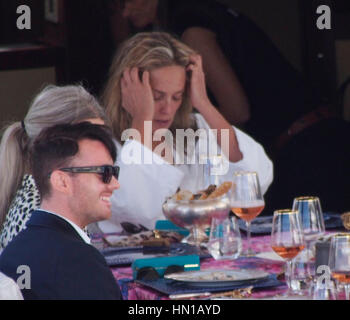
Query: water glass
[(313, 226), (323, 291), (339, 261), (300, 277), (225, 241)]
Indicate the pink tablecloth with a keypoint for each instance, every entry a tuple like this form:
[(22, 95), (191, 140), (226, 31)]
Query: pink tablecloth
[(134, 291)]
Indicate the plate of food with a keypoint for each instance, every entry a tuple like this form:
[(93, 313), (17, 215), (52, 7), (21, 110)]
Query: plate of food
[(218, 277)]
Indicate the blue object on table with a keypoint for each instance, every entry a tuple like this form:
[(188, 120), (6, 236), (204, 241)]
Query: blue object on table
[(189, 263), (121, 256), (168, 287), (263, 225), (166, 225)]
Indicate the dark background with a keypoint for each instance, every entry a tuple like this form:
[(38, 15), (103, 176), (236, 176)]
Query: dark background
[(79, 47)]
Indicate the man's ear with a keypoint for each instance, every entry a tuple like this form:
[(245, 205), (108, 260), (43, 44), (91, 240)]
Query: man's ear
[(60, 181)]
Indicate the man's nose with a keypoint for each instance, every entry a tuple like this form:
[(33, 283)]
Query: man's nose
[(114, 184)]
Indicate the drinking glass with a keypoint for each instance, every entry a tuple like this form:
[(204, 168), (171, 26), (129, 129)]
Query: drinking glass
[(339, 261), (225, 241), (313, 226), (287, 239), (321, 291), (247, 201)]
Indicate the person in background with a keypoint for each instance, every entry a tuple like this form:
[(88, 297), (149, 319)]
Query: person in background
[(257, 89), (19, 195), (156, 79), (73, 167), (248, 79)]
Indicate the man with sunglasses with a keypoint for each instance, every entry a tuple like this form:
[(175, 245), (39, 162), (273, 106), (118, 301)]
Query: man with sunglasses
[(73, 166)]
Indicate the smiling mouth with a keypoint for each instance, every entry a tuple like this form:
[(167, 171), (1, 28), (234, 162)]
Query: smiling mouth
[(106, 200)]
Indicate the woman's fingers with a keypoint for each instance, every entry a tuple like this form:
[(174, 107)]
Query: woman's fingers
[(137, 97), (134, 75), (126, 77), (145, 78), (196, 59)]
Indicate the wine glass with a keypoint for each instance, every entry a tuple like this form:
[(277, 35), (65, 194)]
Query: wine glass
[(313, 225), (339, 261), (247, 201), (287, 239)]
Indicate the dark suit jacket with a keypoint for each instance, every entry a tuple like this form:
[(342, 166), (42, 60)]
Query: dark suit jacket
[(62, 265)]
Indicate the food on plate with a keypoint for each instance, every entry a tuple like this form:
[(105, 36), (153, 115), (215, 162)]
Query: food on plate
[(221, 190), (205, 193), (183, 195), (210, 193), (144, 238), (217, 276)]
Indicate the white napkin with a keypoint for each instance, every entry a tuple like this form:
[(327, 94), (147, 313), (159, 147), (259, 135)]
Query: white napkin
[(9, 289)]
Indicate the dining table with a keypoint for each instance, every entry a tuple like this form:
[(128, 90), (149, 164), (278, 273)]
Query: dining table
[(265, 260)]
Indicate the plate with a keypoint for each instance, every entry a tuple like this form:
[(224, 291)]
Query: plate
[(217, 277)]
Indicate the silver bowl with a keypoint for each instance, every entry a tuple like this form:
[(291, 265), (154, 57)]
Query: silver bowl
[(196, 215)]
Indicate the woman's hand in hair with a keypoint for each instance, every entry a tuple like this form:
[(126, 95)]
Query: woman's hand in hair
[(211, 114), (198, 91), (137, 97)]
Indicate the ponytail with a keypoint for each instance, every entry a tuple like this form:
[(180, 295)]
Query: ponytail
[(13, 164)]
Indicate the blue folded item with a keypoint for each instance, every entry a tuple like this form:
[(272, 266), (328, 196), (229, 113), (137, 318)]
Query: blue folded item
[(160, 264), (263, 225), (119, 256), (168, 287), (166, 225)]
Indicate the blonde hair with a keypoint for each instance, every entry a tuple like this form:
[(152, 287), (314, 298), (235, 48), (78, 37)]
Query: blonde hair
[(53, 105), (146, 51)]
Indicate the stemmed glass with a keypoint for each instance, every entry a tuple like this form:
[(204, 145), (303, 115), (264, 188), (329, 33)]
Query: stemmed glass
[(313, 225), (339, 261), (287, 238), (247, 201)]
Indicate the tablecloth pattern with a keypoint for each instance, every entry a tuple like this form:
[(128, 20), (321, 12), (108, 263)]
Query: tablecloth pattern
[(134, 291)]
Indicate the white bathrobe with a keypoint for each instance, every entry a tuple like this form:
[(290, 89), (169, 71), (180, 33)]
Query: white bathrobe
[(146, 179)]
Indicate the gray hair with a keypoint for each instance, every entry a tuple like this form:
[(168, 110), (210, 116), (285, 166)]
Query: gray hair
[(53, 105)]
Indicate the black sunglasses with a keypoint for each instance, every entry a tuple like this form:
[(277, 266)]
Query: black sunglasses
[(150, 273), (106, 171)]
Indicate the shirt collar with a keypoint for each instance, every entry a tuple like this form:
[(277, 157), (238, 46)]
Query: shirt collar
[(80, 231)]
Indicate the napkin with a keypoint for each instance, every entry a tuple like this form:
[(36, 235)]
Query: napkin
[(263, 225), (168, 287)]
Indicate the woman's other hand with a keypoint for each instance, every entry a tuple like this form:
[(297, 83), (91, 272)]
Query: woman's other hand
[(137, 97), (198, 91)]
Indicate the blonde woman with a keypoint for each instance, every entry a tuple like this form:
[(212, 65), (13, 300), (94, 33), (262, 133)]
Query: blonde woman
[(18, 193), (155, 80)]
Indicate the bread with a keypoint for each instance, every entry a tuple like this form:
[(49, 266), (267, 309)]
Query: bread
[(183, 195), (221, 190)]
